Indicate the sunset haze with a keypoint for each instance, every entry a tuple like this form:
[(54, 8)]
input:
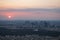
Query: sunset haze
[(30, 9)]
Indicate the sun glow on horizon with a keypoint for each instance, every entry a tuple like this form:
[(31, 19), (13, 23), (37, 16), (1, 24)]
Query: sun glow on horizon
[(9, 17)]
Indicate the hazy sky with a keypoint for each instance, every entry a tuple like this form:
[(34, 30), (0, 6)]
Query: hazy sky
[(49, 9), (34, 15), (29, 4)]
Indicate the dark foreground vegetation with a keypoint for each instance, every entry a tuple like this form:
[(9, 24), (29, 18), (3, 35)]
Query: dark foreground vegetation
[(28, 34), (28, 37), (4, 31)]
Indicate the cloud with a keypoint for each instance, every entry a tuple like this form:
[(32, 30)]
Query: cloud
[(54, 10)]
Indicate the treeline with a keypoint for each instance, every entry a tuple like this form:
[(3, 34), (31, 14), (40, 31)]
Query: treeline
[(4, 31)]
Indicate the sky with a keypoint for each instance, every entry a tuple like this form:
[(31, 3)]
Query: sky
[(30, 9), (29, 4)]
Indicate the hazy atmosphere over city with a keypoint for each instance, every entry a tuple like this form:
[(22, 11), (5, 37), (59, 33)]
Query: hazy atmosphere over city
[(30, 9), (29, 19)]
